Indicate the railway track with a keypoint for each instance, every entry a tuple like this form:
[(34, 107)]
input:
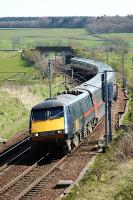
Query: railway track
[(14, 148), (26, 181), (14, 160), (14, 153), (38, 175)]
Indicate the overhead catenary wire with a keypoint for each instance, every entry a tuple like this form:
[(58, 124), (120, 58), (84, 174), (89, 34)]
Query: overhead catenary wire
[(10, 77)]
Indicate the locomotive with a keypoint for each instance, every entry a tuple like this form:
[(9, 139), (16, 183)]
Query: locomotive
[(64, 120)]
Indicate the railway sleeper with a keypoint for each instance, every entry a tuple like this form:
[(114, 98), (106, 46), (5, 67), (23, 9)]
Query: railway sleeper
[(33, 191)]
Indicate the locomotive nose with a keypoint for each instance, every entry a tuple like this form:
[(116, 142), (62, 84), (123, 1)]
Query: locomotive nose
[(48, 125)]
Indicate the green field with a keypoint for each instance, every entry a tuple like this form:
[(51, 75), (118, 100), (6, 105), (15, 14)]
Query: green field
[(74, 37), (10, 61), (128, 37), (33, 37), (12, 67)]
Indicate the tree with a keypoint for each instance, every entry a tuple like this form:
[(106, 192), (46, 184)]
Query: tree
[(16, 42)]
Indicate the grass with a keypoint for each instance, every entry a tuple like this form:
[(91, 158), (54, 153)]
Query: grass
[(10, 66), (18, 94), (11, 62), (13, 115), (17, 100), (128, 37), (111, 175), (32, 37), (60, 36)]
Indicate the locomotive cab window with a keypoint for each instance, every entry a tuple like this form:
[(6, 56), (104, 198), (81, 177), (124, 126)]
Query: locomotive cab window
[(47, 113)]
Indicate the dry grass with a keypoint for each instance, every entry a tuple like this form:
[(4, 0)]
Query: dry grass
[(124, 150), (22, 93)]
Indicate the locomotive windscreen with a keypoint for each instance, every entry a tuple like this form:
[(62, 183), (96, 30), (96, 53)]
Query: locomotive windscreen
[(47, 113)]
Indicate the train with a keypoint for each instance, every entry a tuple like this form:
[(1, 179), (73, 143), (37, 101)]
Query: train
[(63, 121)]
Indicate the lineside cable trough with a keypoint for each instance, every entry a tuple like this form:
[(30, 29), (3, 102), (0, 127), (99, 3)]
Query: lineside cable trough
[(63, 184)]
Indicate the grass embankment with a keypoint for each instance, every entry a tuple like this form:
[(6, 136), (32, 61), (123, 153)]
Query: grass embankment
[(19, 93), (111, 175), (13, 115)]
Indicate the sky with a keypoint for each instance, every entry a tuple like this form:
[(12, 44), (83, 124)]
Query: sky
[(65, 8)]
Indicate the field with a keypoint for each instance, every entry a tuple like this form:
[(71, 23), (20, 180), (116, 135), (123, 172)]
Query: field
[(128, 37), (74, 37), (10, 61)]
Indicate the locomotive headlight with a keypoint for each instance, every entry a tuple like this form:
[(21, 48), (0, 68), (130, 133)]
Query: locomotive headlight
[(36, 134), (59, 132)]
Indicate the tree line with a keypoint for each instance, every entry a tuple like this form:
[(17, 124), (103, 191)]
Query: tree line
[(103, 24)]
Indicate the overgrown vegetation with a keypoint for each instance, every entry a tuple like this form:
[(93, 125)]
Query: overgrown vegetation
[(111, 175)]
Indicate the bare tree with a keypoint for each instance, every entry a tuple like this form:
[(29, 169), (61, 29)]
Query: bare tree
[(16, 42), (40, 63)]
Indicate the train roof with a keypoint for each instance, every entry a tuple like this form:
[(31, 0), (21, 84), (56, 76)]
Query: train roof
[(99, 65), (94, 83), (48, 103), (61, 100), (77, 93)]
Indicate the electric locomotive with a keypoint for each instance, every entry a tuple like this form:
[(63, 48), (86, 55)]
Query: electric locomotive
[(64, 120)]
